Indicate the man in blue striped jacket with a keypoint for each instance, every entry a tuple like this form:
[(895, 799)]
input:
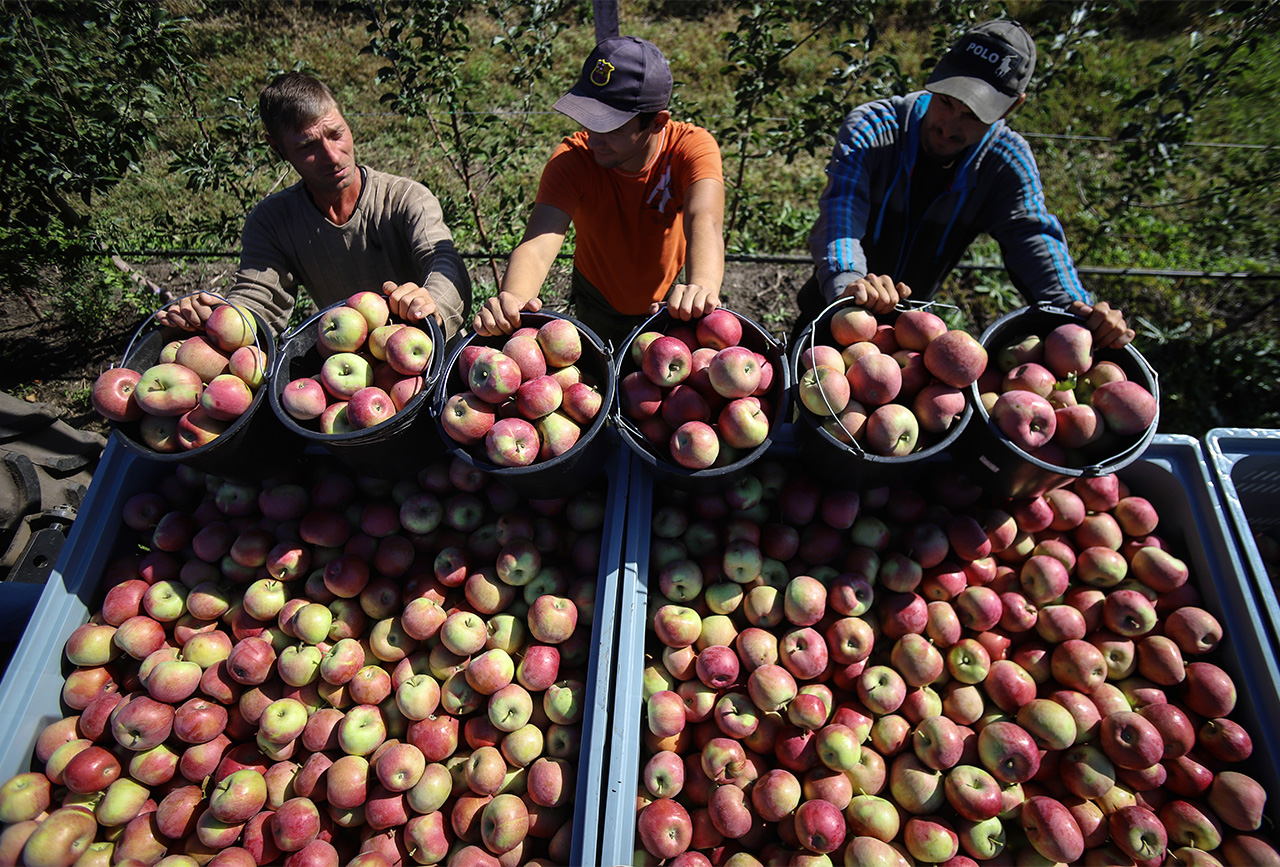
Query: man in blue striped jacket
[(914, 179)]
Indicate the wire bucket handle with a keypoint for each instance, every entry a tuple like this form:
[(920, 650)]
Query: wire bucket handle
[(246, 316)]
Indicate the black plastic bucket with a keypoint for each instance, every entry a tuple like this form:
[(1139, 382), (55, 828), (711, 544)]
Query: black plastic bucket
[(850, 462), (398, 447), (664, 470), (560, 476), (254, 446), (1003, 468)]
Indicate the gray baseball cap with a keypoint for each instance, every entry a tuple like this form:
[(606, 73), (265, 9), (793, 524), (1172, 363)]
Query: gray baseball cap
[(622, 77), (988, 69)]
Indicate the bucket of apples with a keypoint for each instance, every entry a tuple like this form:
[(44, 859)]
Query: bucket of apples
[(528, 407), (882, 394), (194, 397), (699, 401), (356, 380), (1051, 408)]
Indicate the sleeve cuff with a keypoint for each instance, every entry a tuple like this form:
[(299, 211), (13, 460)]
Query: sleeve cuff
[(833, 287)]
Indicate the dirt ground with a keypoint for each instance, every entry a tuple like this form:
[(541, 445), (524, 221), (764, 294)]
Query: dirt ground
[(43, 358)]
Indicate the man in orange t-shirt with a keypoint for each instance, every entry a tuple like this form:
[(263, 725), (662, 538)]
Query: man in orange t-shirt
[(644, 193)]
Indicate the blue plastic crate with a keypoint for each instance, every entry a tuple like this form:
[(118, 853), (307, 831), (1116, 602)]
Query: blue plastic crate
[(31, 688), (1173, 472)]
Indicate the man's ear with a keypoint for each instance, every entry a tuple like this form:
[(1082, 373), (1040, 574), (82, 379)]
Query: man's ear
[(660, 120), (1021, 99)]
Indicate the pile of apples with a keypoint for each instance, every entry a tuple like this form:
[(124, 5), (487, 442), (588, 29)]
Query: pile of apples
[(914, 674), (197, 388), (1049, 396), (322, 669), (696, 393), (526, 402), (892, 388), (371, 368)]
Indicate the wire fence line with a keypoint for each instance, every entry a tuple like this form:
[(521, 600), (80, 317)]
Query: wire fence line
[(1101, 139), (790, 259)]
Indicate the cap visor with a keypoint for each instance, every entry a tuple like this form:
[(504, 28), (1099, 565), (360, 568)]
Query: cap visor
[(592, 114), (981, 98)]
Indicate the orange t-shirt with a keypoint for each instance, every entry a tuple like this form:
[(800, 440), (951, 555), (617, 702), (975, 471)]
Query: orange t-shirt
[(630, 226)]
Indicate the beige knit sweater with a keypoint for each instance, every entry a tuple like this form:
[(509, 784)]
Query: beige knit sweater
[(396, 233)]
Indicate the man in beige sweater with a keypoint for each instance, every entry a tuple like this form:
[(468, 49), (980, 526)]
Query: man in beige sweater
[(342, 229)]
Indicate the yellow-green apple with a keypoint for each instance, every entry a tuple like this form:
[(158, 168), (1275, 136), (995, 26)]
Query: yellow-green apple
[(231, 327), (378, 337), (122, 802), (930, 839), (25, 796), (202, 357), (892, 430), (558, 434), (563, 701), (409, 350), (344, 373), (113, 394), (282, 721), (561, 342), (916, 788), (881, 689), (372, 306), (168, 390), (341, 329), (824, 391), (60, 838)]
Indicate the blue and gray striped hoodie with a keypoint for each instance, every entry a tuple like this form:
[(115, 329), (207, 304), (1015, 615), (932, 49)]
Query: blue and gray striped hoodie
[(864, 226)]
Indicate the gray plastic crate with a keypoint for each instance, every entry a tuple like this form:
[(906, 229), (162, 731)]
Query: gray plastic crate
[(31, 689), (1173, 472), (1247, 464)]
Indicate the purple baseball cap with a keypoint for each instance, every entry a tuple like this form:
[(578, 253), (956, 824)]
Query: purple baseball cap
[(624, 76), (988, 69)]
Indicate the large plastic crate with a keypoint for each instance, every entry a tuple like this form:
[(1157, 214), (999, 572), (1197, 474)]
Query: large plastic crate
[(1247, 465), (1173, 472), (31, 688)]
